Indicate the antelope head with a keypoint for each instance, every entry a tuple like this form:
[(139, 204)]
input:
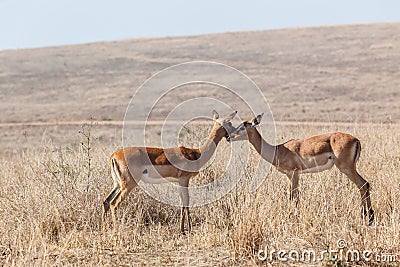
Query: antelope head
[(245, 129), (223, 126)]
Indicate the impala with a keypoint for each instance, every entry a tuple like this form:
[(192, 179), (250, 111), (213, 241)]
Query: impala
[(313, 154), (158, 165)]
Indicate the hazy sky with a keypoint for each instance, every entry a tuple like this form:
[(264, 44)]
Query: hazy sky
[(37, 23)]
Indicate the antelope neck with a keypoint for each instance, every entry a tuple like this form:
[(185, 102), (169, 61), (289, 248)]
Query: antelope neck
[(266, 150)]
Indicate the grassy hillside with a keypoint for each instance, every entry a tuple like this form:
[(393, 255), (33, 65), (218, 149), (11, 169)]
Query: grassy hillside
[(340, 73)]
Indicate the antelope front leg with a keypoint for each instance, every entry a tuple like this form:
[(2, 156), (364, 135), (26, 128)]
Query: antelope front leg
[(185, 213), (184, 197), (294, 188)]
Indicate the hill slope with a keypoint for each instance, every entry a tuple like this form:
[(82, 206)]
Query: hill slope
[(341, 73)]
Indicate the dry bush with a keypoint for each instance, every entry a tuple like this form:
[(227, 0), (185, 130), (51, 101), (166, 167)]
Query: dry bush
[(51, 209)]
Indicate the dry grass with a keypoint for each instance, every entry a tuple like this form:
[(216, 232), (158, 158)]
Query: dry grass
[(51, 210)]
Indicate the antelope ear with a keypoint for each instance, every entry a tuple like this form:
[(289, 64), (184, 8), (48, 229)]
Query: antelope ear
[(215, 115), (230, 116), (256, 121)]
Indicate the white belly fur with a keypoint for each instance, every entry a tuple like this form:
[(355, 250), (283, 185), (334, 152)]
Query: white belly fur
[(150, 180), (155, 177), (320, 168)]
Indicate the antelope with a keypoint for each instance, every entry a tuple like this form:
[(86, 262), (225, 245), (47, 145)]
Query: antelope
[(158, 165), (313, 154)]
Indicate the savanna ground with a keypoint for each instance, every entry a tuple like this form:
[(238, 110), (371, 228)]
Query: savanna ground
[(52, 186), (51, 209)]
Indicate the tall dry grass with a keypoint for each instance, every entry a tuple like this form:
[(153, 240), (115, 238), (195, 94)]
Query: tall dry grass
[(50, 209)]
